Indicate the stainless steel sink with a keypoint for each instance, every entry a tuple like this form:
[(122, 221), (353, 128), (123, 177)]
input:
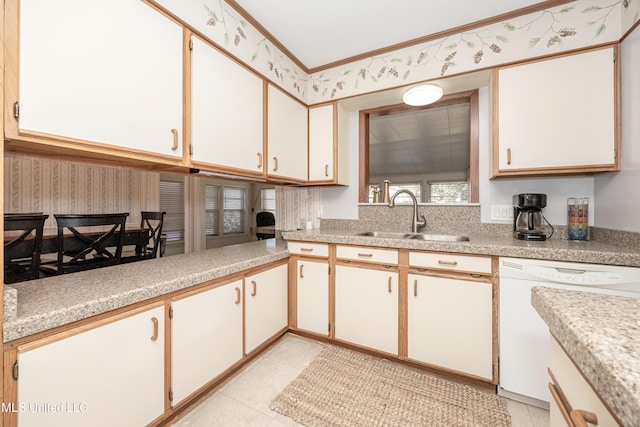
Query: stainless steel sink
[(415, 236)]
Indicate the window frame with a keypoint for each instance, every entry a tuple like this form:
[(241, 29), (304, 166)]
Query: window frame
[(220, 210), (474, 116)]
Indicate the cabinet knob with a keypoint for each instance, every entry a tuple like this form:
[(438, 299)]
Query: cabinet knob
[(238, 293), (174, 147)]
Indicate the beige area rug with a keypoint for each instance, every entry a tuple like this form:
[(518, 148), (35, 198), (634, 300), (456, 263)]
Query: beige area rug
[(344, 388)]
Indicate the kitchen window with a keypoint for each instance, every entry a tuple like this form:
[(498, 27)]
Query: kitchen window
[(402, 199), (448, 192), (268, 200), (226, 208)]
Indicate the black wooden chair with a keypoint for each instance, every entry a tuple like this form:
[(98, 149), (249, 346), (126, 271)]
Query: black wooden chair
[(265, 219), (153, 222), (22, 252), (97, 242)]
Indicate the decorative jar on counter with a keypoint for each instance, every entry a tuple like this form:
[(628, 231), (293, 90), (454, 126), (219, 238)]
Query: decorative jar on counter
[(578, 218)]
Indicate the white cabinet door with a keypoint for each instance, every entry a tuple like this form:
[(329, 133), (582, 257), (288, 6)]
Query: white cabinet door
[(107, 376), (227, 111), (266, 309), (322, 143), (313, 296), (367, 307), (107, 72), (450, 324), (287, 130), (554, 122), (206, 337), (579, 395)]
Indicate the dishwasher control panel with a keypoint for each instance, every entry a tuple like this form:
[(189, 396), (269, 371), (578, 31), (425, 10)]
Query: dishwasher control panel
[(598, 275)]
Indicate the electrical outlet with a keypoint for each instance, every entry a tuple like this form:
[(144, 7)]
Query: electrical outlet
[(501, 213)]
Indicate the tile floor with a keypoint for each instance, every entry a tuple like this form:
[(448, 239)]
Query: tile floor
[(244, 399)]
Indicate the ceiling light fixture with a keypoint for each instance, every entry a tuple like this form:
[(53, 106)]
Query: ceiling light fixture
[(424, 94)]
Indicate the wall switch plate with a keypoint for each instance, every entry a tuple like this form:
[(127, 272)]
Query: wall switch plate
[(502, 213)]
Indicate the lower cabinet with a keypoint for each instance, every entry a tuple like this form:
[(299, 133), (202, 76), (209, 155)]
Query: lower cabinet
[(206, 337), (573, 401), (450, 324), (366, 307), (106, 376), (312, 296), (266, 304)]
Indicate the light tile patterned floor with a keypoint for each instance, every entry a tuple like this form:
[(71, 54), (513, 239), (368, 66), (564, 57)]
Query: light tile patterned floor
[(244, 400)]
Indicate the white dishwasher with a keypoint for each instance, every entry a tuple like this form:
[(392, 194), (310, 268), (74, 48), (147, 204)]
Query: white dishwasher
[(523, 335)]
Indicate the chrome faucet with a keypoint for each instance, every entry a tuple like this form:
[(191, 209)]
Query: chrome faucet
[(416, 223)]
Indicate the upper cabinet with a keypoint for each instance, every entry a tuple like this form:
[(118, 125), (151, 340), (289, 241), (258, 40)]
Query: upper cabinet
[(322, 143), (287, 137), (227, 106), (557, 116), (96, 76)]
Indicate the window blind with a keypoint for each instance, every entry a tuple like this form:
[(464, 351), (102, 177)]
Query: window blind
[(172, 202)]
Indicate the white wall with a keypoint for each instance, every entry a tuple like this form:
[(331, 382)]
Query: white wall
[(342, 202), (617, 192)]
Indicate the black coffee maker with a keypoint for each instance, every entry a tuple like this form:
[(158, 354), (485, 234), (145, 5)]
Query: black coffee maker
[(528, 221)]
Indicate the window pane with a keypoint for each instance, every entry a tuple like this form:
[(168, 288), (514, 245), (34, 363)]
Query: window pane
[(211, 204), (402, 199), (268, 197), (449, 192), (234, 210), (172, 202)]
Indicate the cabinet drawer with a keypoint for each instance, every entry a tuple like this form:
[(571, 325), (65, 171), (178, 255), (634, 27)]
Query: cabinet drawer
[(363, 253), (445, 261), (309, 249)]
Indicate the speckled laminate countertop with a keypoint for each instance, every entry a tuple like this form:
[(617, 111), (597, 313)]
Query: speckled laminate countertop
[(43, 304), (553, 249), (601, 333)]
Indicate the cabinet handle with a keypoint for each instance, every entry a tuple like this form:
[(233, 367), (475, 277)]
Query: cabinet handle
[(174, 147), (301, 275), (365, 255), (326, 170), (253, 283), (415, 288), (155, 328), (238, 295), (306, 249), (508, 156), (259, 160), (581, 418), (452, 263), (390, 279), (562, 406), (275, 164)]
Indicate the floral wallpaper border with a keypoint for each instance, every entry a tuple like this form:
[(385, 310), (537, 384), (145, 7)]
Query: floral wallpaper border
[(575, 25)]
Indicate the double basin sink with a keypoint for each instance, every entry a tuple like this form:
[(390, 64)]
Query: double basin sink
[(415, 236)]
